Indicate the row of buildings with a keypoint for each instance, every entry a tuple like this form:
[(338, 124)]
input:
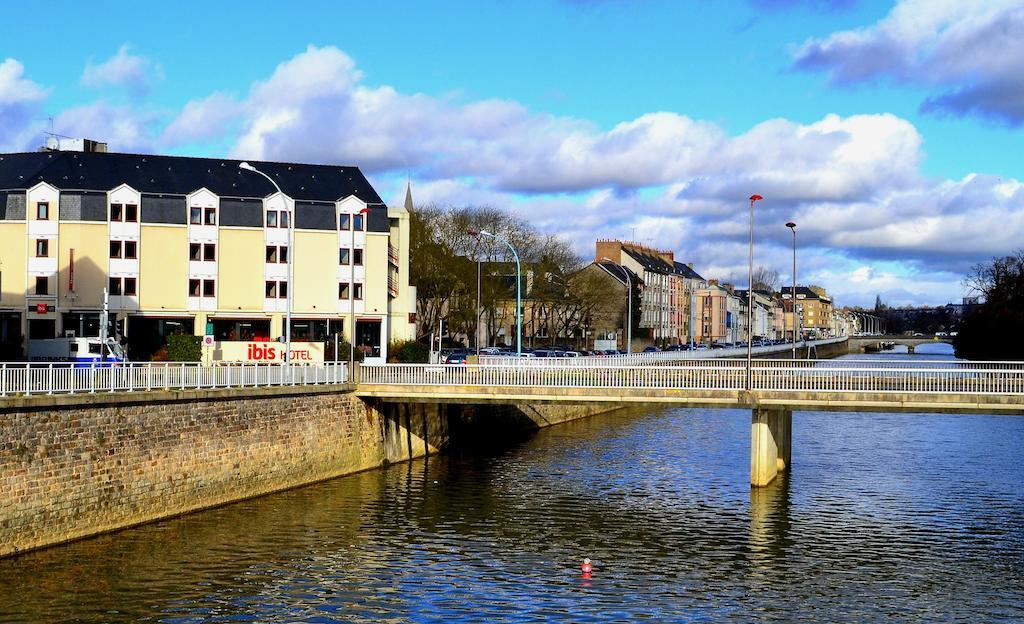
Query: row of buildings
[(197, 246), (672, 305)]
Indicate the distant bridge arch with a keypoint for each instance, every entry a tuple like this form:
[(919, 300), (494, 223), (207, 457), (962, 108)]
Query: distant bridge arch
[(861, 344)]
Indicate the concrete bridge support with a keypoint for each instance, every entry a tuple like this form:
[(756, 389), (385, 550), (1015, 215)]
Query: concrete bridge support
[(771, 435)]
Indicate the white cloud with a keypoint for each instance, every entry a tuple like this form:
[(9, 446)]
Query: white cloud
[(124, 128), (20, 99), (124, 69), (204, 119), (968, 52)]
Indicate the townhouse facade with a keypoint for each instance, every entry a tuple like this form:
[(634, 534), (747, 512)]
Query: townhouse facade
[(197, 246), (813, 311), (668, 292)]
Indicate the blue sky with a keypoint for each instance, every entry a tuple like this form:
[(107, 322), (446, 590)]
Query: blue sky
[(891, 129)]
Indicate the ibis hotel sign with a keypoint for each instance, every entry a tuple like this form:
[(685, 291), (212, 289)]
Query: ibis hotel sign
[(262, 352)]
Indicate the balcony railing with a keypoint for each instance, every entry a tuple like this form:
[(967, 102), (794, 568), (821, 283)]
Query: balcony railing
[(34, 379), (392, 286), (393, 255)]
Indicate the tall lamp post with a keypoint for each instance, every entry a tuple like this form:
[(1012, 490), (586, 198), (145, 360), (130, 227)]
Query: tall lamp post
[(629, 303), (519, 282), (750, 291), (792, 226), (291, 253)]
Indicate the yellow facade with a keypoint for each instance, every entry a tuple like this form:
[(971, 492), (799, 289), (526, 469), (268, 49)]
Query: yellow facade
[(88, 241), (164, 255), (241, 265), (13, 265), (375, 298), (315, 272)]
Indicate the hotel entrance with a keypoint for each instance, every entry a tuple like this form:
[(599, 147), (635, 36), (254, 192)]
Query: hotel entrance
[(368, 337)]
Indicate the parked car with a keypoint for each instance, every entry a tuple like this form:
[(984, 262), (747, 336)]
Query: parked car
[(651, 349), (456, 357)]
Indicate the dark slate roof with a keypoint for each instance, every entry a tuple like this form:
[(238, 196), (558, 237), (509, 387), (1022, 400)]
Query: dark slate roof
[(620, 272), (656, 264), (177, 175), (801, 290), (687, 272)]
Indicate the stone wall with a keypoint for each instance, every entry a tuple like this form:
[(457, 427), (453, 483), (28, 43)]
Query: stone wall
[(74, 466), (75, 469)]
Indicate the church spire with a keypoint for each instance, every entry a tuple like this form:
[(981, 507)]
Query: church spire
[(408, 195)]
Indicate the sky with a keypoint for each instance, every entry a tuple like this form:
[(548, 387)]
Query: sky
[(890, 132)]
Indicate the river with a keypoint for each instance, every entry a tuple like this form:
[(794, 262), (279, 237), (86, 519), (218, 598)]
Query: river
[(883, 517)]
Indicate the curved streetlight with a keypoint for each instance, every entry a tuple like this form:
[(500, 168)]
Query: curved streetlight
[(519, 281), (291, 253), (792, 226), (629, 302), (750, 290)]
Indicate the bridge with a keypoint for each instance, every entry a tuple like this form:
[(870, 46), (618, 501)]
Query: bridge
[(772, 389), (858, 344)]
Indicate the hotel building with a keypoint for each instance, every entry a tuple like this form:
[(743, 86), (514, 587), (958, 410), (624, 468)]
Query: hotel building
[(197, 245)]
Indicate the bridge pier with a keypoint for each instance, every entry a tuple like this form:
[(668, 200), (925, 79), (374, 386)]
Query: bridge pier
[(771, 435)]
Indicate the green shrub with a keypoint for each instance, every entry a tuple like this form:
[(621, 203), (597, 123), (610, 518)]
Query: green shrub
[(408, 352), (184, 348)]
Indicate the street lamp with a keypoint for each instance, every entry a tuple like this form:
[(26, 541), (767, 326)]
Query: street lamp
[(519, 281), (291, 254), (750, 290), (792, 226), (629, 303)]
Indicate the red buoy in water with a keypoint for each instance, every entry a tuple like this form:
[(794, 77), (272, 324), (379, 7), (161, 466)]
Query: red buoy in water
[(586, 567)]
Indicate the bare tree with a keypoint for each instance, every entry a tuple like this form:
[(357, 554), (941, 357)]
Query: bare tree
[(765, 279)]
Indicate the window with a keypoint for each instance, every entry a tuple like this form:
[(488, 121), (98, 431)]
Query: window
[(43, 211), (42, 248), (358, 223), (115, 249), (131, 212), (42, 285), (195, 216), (202, 288), (276, 290), (342, 290), (130, 286), (343, 256), (343, 221), (358, 291), (116, 212), (114, 286), (195, 251), (271, 290), (131, 250), (357, 257), (282, 289), (209, 252), (277, 254), (211, 216), (277, 218)]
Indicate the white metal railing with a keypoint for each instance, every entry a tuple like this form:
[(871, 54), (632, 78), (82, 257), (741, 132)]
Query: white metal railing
[(651, 358), (62, 378), (772, 375)]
